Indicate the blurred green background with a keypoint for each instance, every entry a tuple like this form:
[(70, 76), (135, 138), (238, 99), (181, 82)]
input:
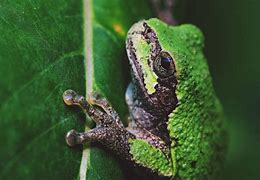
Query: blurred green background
[(232, 47)]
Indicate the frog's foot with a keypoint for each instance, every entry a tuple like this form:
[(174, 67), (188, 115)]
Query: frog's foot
[(109, 130), (101, 118)]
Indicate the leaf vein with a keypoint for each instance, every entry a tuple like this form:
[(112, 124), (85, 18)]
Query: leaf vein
[(24, 86)]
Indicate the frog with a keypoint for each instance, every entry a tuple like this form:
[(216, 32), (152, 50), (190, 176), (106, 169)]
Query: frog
[(176, 125)]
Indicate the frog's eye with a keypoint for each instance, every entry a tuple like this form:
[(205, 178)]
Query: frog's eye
[(164, 65)]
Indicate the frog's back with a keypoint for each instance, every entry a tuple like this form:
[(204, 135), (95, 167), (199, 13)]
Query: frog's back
[(196, 125)]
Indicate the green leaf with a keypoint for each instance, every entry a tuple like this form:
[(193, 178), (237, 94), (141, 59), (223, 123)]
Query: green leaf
[(44, 51)]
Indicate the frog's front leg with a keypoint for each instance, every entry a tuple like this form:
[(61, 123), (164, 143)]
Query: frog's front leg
[(112, 134), (109, 131)]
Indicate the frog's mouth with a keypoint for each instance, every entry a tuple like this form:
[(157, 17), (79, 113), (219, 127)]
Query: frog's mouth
[(142, 48)]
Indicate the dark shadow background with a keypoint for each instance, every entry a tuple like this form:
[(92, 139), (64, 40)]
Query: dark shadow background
[(232, 47)]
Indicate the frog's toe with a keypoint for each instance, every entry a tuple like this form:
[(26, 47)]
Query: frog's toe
[(69, 96), (73, 138), (95, 97)]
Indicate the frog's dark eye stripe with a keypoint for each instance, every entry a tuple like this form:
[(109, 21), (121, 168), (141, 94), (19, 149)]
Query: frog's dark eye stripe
[(164, 65)]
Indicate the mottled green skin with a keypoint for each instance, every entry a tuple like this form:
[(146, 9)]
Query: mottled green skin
[(196, 125), (150, 157)]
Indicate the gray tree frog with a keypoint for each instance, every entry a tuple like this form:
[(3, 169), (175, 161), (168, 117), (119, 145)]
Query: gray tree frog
[(176, 128)]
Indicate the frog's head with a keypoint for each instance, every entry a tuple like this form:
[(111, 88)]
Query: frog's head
[(153, 54)]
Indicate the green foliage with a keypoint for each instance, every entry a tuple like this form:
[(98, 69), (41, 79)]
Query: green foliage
[(40, 52), (42, 55)]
